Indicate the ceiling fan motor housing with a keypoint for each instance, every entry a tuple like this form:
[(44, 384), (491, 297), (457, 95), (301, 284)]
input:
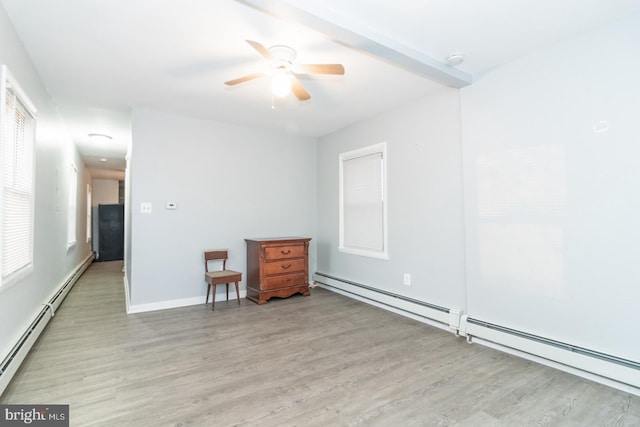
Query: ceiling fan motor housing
[(284, 56)]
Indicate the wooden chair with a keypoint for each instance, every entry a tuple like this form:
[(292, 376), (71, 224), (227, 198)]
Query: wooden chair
[(221, 277)]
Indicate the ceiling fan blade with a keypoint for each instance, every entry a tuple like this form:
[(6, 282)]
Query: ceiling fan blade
[(298, 90), (319, 69), (244, 79), (261, 49)]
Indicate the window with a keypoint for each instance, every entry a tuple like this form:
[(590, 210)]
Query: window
[(363, 210), (17, 124), (88, 213), (73, 206)]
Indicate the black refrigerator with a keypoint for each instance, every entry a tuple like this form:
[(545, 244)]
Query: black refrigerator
[(110, 232)]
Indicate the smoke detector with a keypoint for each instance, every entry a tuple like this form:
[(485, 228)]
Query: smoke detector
[(454, 59)]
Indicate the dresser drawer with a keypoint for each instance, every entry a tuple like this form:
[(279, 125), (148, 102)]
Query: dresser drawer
[(284, 267), (282, 252), (283, 281)]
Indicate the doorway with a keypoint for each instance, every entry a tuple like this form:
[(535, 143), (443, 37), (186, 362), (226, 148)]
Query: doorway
[(108, 219), (111, 232)]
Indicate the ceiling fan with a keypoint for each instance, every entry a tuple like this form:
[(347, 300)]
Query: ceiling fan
[(284, 70)]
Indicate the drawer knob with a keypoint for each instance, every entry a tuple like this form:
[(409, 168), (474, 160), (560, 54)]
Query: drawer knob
[(284, 267), (287, 252)]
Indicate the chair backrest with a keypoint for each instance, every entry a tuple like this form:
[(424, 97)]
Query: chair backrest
[(213, 255)]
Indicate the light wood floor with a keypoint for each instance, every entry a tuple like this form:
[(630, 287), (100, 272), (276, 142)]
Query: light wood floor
[(323, 360)]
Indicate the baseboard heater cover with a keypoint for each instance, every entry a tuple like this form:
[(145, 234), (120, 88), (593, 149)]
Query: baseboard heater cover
[(10, 364), (432, 312), (607, 366), (607, 369)]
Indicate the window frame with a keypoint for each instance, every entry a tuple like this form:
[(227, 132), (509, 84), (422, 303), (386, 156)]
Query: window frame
[(89, 219), (72, 214), (375, 149), (9, 83)]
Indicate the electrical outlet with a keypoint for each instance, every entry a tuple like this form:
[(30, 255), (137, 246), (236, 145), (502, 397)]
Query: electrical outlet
[(145, 207), (407, 279)]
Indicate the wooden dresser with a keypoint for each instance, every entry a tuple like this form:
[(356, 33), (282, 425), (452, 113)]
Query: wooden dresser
[(277, 267)]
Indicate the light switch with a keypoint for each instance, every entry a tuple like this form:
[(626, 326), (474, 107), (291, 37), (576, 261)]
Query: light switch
[(172, 205), (145, 207)]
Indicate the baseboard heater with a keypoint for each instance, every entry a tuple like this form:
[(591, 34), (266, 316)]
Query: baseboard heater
[(442, 316), (10, 364), (598, 366)]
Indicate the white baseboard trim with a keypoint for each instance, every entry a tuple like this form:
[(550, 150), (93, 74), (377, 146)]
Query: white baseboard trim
[(183, 302)]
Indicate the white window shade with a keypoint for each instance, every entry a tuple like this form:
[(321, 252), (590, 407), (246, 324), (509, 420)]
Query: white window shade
[(17, 123), (363, 202), (88, 213), (73, 206)]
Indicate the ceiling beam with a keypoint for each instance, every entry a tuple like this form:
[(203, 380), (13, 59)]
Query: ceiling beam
[(340, 29)]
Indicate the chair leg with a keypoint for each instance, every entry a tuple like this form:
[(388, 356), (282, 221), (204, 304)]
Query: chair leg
[(213, 298), (227, 292), (208, 289), (237, 293)]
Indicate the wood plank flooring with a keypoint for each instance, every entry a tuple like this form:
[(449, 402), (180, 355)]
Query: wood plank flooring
[(323, 360)]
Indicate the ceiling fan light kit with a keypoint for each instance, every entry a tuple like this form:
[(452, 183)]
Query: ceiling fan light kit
[(281, 82), (284, 72)]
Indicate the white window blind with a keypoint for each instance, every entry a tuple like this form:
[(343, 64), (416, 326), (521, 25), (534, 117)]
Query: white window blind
[(88, 213), (363, 202), (17, 121), (73, 206)]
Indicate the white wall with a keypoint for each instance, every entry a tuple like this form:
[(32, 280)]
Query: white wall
[(424, 178), (229, 182), (20, 302), (514, 199), (552, 196), (105, 192)]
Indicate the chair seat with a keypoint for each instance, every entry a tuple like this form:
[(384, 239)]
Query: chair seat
[(224, 276)]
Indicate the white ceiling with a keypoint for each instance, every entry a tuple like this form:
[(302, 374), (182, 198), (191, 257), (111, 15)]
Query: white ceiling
[(100, 59)]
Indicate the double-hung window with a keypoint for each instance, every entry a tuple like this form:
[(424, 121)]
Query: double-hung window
[(363, 202), (88, 213), (17, 133), (73, 206)]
